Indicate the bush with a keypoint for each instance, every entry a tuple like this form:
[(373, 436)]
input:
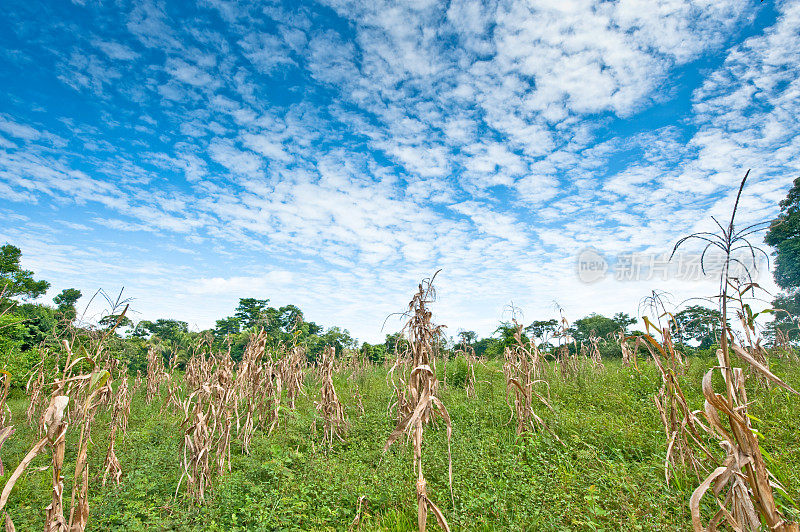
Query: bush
[(457, 372)]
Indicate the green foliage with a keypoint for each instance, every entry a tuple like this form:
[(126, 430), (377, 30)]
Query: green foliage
[(227, 326), (18, 362), (251, 312), (67, 298), (697, 323), (542, 330), (784, 236), (608, 475), (374, 353), (14, 281), (488, 347), (787, 312), (467, 337), (12, 358), (164, 329), (600, 326), (41, 324), (457, 372)]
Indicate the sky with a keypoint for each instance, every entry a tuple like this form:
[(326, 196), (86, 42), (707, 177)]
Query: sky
[(331, 155)]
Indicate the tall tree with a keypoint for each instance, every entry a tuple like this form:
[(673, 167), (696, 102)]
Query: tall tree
[(698, 323), (165, 329), (542, 329), (467, 337), (251, 312), (14, 281), (226, 326), (600, 325), (66, 304), (784, 236)]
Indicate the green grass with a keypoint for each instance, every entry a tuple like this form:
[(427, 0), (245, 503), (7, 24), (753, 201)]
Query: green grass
[(608, 476)]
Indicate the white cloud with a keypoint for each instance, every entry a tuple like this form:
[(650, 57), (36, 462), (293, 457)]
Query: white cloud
[(491, 139)]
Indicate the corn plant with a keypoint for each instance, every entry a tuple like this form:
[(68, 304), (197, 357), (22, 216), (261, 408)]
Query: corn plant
[(55, 429), (329, 407), (594, 352), (6, 430), (630, 355), (208, 414), (292, 367), (682, 426), (155, 373), (468, 354), (423, 340), (566, 358), (743, 486), (119, 422), (522, 367)]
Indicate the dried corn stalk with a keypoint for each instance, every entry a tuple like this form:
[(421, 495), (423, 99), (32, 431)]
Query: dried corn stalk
[(155, 373), (567, 360), (87, 391), (173, 386), (55, 429), (358, 398), (629, 356), (329, 407), (33, 389), (519, 371), (258, 391), (742, 485), (747, 318), (594, 352), (423, 338), (681, 425), (119, 422), (208, 420), (197, 444), (397, 376), (97, 392), (468, 354), (292, 369), (743, 477), (5, 430)]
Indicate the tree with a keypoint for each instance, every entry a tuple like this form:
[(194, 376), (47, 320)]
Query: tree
[(290, 317), (542, 329), (698, 323), (40, 324), (68, 297), (507, 331), (111, 320), (251, 312), (395, 342), (374, 353), (600, 326), (467, 337), (784, 236), (66, 304), (170, 330), (787, 309), (226, 326), (488, 347), (14, 281)]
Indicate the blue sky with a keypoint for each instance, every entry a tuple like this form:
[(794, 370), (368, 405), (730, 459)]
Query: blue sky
[(332, 154)]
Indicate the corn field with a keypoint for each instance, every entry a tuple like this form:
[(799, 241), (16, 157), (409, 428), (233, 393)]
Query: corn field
[(218, 413)]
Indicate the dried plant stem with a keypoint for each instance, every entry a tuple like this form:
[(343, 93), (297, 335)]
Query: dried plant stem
[(423, 339), (329, 407)]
